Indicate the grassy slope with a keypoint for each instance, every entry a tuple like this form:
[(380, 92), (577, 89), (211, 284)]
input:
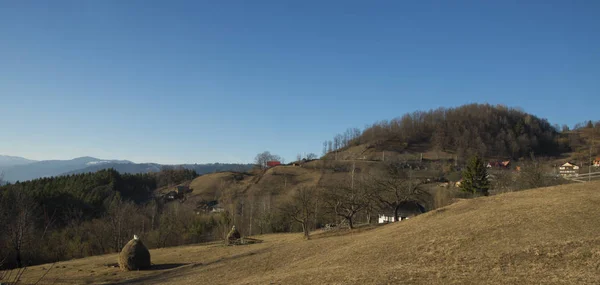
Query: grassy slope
[(547, 236)]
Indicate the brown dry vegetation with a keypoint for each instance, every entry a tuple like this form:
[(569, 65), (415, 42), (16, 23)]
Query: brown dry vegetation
[(209, 186), (541, 236)]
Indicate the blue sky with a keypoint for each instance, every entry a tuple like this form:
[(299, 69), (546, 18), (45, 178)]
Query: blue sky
[(219, 81)]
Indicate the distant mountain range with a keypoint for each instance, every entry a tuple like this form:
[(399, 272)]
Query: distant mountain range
[(7, 161), (22, 169)]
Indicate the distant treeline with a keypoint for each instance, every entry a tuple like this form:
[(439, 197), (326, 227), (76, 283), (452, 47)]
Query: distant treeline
[(476, 128), (135, 168), (217, 167), (42, 218)]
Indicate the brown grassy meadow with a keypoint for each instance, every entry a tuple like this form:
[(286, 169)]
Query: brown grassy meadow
[(540, 236)]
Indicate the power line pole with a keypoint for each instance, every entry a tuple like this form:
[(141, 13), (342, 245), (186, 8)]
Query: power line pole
[(590, 160), (353, 168)]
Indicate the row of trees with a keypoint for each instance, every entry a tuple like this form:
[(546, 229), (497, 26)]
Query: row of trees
[(343, 140), (396, 190), (390, 191), (583, 141), (306, 156)]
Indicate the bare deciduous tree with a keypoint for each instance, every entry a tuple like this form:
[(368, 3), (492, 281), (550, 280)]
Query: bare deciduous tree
[(301, 207), (262, 158), (346, 201), (395, 188), (120, 217), (18, 214)]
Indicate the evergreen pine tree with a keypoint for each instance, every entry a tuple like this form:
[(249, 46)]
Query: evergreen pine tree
[(475, 177)]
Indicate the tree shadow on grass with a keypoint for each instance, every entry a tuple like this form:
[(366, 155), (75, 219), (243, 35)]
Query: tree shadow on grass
[(153, 267), (185, 270), (166, 266)]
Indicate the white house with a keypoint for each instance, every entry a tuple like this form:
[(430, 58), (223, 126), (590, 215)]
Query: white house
[(568, 169), (407, 209), (217, 209), (384, 219)]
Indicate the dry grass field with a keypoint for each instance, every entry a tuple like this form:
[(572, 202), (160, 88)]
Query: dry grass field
[(541, 236)]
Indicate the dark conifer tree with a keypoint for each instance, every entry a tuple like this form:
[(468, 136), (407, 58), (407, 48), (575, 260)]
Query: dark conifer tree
[(475, 177)]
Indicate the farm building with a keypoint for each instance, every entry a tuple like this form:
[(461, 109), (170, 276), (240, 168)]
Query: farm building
[(273, 163), (568, 169), (596, 162)]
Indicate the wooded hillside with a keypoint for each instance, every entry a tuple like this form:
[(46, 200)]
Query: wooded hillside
[(64, 217), (482, 129)]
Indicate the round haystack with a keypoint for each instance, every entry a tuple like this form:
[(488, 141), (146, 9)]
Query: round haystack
[(134, 256), (233, 235)]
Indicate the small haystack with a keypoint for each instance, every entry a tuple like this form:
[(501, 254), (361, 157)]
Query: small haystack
[(233, 235), (134, 256)]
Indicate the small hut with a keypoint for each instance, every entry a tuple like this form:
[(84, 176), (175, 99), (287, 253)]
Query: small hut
[(134, 255)]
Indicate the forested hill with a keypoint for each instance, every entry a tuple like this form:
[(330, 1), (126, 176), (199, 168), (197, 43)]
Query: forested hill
[(62, 217), (89, 193), (491, 130)]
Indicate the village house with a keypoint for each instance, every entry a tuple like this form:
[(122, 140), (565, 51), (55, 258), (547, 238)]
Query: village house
[(407, 210), (499, 164), (596, 162), (177, 193), (568, 169), (386, 218)]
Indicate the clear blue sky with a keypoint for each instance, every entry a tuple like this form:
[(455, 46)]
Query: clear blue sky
[(219, 81)]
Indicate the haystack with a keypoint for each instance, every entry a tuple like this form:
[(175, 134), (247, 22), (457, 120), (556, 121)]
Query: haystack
[(134, 256), (233, 235)]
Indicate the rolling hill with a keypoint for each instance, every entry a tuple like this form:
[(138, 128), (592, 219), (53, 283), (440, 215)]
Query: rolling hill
[(278, 182), (489, 130), (540, 236)]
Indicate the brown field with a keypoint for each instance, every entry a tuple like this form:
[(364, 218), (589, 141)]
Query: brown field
[(541, 236)]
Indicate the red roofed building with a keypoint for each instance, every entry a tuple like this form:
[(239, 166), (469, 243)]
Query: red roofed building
[(273, 163)]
